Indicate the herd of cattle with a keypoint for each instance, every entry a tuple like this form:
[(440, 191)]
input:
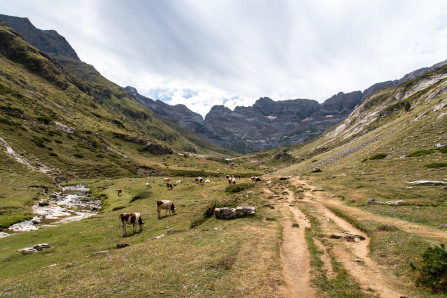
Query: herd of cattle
[(135, 219)]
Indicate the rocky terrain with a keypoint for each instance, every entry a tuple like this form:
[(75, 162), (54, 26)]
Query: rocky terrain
[(46, 40)]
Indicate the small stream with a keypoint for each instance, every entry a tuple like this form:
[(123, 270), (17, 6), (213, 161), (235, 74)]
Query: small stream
[(62, 207)]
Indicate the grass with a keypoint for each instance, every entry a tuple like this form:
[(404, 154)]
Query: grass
[(217, 257)]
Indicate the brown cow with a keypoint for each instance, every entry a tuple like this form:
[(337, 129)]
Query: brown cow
[(120, 191)]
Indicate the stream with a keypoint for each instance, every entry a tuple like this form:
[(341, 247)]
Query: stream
[(62, 207)]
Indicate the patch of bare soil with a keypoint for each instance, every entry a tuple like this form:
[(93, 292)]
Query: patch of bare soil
[(353, 256), (295, 257)]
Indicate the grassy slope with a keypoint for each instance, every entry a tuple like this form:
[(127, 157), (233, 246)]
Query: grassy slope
[(236, 257), (394, 122), (37, 93)]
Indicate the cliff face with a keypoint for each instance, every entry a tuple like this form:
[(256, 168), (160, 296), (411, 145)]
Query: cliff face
[(45, 40)]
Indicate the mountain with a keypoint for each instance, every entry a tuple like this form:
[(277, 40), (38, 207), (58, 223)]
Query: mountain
[(389, 128), (60, 117), (46, 40), (270, 124)]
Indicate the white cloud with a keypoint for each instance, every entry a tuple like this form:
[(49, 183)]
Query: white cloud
[(202, 53)]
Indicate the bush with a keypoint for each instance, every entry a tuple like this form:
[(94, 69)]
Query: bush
[(239, 187), (378, 156), (433, 272), (436, 165), (443, 149), (78, 155), (420, 153)]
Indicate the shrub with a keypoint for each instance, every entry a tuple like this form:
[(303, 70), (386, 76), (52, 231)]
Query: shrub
[(238, 187), (78, 155), (433, 272), (387, 228), (443, 149), (378, 156), (420, 153), (436, 165)]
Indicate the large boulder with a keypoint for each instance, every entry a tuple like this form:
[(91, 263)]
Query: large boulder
[(228, 213)]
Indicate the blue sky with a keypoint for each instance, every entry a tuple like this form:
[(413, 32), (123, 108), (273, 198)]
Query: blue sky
[(203, 53)]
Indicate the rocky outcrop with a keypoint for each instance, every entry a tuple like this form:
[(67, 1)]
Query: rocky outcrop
[(45, 40)]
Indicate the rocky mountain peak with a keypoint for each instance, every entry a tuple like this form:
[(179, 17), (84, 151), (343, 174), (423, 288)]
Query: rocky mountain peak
[(45, 40)]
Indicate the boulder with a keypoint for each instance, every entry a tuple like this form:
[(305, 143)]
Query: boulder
[(35, 248), (428, 182), (398, 202), (245, 211), (371, 201), (225, 213), (122, 245), (316, 170)]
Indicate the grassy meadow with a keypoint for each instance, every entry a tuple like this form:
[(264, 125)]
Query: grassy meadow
[(229, 257)]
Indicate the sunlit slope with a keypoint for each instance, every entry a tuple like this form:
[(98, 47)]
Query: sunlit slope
[(79, 125), (383, 132)]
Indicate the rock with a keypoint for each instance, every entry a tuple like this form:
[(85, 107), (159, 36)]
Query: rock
[(225, 213), (43, 203), (283, 178), (371, 201), (358, 261), (101, 252), (35, 248), (398, 202), (245, 211), (316, 170), (41, 246), (156, 237), (122, 245), (428, 182), (295, 225)]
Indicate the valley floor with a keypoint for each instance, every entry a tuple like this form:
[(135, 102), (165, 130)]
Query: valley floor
[(303, 242)]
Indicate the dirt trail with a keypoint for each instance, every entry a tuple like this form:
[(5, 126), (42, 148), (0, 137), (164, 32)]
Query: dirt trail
[(295, 257), (354, 256), (425, 231)]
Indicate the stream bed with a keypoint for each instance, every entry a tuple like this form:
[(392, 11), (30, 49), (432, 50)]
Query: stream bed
[(62, 207)]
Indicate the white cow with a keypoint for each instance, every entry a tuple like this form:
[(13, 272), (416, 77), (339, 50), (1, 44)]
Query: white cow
[(167, 205)]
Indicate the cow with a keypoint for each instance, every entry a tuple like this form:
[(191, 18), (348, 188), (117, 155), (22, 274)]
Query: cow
[(119, 191), (131, 219), (148, 185), (167, 205), (199, 180), (232, 181), (169, 185), (255, 179), (207, 181), (179, 182), (167, 179)]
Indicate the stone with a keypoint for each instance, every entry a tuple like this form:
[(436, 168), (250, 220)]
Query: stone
[(35, 248), (43, 203), (371, 201), (245, 211), (397, 202), (316, 170), (427, 182), (122, 245), (225, 213)]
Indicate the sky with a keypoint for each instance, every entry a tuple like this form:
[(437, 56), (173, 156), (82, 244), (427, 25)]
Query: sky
[(203, 53)]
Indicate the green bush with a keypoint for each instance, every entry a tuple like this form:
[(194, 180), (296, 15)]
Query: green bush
[(433, 272), (420, 153), (239, 187), (378, 156), (443, 149), (436, 165), (78, 155)]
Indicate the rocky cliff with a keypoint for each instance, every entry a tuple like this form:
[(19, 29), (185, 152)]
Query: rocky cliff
[(45, 40)]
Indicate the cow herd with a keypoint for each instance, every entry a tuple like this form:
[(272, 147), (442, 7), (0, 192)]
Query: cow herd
[(135, 219)]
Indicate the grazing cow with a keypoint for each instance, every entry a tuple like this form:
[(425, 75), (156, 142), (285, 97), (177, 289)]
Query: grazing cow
[(167, 205), (207, 181), (179, 182), (120, 192), (148, 185), (232, 181), (167, 179), (169, 185), (227, 176), (255, 179), (199, 180), (131, 219)]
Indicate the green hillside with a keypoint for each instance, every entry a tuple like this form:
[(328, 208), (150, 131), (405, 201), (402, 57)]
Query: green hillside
[(65, 122)]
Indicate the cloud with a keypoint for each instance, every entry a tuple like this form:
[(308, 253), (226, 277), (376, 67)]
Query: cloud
[(202, 53)]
